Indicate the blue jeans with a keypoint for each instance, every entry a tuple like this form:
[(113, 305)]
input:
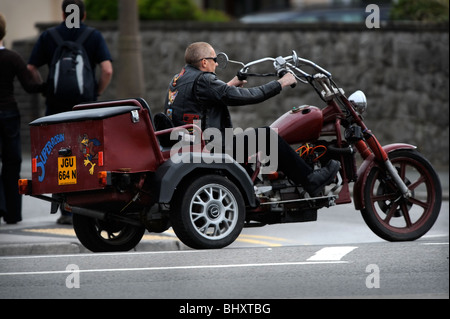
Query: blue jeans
[(11, 159)]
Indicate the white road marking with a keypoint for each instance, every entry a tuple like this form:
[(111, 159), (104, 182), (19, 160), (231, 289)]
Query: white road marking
[(327, 255), (171, 268), (331, 253)]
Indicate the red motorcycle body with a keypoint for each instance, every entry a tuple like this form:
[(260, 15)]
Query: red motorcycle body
[(300, 125)]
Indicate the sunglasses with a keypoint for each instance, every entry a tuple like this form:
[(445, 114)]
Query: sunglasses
[(214, 59)]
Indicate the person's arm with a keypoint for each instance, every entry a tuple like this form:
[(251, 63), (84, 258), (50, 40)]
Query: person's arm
[(236, 82), (105, 76), (233, 93), (30, 80), (287, 80), (35, 74), (212, 90)]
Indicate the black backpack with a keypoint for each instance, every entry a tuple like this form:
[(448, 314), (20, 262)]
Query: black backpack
[(71, 78)]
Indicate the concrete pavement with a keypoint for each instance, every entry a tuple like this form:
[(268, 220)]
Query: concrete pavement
[(38, 233)]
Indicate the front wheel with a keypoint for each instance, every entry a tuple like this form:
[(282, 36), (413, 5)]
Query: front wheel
[(388, 213), (209, 213), (106, 236)]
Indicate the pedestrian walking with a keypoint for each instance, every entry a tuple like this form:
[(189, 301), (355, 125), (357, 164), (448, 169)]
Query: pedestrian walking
[(12, 66), (74, 52)]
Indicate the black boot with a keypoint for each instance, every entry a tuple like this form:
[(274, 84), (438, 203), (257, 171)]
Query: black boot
[(318, 179)]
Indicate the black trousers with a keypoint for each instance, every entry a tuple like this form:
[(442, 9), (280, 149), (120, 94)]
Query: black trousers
[(288, 161), (11, 158)]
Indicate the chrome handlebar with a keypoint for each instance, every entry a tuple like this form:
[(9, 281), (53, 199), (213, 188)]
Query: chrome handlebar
[(291, 63)]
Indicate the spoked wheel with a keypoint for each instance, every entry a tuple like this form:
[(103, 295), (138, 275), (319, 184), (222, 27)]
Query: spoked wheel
[(208, 213), (106, 236), (388, 213)]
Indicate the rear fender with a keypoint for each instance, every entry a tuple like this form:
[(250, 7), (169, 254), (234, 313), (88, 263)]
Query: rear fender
[(172, 172), (364, 170)]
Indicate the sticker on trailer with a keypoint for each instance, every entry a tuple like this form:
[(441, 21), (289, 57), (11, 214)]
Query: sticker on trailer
[(41, 159), (89, 149)]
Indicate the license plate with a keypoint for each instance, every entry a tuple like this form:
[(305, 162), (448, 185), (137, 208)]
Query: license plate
[(67, 170)]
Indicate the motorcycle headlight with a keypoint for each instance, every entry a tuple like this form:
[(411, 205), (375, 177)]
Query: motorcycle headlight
[(359, 101)]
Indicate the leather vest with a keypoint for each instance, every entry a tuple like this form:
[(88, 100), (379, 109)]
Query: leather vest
[(182, 105)]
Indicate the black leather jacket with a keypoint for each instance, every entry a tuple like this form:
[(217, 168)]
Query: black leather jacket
[(194, 95)]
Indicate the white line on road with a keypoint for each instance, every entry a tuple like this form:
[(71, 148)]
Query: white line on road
[(169, 268)]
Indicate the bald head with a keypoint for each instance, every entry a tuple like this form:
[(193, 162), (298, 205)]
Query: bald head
[(197, 51)]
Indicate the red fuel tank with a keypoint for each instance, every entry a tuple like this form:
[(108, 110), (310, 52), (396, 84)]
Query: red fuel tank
[(299, 125)]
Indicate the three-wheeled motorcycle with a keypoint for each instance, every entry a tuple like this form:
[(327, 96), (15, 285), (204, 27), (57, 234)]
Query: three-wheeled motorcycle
[(113, 165)]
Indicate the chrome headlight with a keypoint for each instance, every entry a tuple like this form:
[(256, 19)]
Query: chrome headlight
[(359, 101)]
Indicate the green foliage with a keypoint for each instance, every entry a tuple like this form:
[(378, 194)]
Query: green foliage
[(214, 16), (102, 9), (421, 10), (168, 10), (155, 10)]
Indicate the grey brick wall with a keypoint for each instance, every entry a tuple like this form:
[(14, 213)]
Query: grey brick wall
[(403, 69)]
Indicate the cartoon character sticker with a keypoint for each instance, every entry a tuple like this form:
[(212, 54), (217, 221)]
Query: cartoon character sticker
[(89, 149)]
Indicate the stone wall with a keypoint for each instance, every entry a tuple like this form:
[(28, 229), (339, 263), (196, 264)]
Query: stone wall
[(403, 69)]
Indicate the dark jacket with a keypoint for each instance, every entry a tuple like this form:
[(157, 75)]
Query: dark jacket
[(194, 95), (12, 65), (44, 49)]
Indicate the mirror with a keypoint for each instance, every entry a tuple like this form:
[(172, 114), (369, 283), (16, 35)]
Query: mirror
[(222, 60)]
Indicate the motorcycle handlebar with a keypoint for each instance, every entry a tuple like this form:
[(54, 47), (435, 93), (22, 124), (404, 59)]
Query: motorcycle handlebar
[(285, 64), (241, 76)]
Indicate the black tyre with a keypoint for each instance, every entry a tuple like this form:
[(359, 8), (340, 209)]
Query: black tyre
[(208, 212), (106, 236), (393, 217)]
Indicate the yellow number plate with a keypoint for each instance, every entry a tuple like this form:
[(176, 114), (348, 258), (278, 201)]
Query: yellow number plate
[(67, 170)]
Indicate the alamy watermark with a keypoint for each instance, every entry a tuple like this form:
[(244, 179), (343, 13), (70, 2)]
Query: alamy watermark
[(243, 146), (73, 280), (373, 19), (73, 19), (373, 279)]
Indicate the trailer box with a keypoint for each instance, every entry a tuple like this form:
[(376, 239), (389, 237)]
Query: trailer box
[(69, 149)]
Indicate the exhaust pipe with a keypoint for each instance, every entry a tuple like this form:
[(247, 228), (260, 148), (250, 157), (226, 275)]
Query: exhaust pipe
[(85, 212), (101, 215)]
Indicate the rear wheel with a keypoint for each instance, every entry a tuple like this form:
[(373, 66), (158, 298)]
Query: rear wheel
[(106, 236), (209, 213), (388, 213)]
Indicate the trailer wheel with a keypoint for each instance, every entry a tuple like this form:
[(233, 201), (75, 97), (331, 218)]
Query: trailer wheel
[(209, 212), (106, 236)]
